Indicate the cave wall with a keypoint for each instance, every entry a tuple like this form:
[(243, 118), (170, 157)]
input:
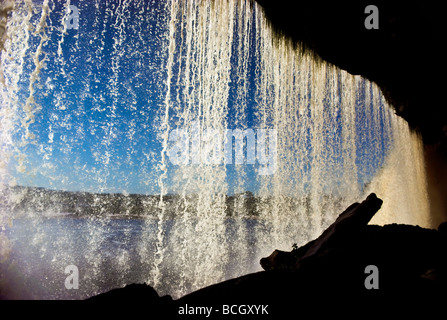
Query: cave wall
[(404, 57), (436, 170)]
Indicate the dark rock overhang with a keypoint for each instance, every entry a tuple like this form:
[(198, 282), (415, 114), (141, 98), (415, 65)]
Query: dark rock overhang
[(404, 56)]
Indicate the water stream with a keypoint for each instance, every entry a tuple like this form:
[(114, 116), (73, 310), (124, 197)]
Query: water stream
[(237, 141)]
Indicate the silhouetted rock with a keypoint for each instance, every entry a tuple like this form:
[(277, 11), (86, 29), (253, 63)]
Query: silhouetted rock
[(350, 222), (128, 302), (327, 275), (404, 56), (407, 256), (130, 293)]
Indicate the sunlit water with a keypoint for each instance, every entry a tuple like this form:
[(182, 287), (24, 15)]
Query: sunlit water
[(40, 255), (93, 108)]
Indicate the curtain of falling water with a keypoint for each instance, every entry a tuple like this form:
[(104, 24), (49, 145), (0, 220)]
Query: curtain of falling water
[(199, 106), (105, 100)]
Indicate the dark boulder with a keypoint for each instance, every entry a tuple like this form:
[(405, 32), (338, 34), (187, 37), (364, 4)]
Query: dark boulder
[(348, 224), (326, 276), (134, 300)]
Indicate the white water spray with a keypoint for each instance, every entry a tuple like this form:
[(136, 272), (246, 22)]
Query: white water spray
[(100, 103)]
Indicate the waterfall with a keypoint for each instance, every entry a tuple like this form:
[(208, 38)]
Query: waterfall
[(190, 131)]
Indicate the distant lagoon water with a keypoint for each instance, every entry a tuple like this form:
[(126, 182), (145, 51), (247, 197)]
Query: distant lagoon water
[(107, 252)]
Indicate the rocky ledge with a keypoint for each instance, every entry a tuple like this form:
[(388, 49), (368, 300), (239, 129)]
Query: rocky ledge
[(391, 268), (403, 56)]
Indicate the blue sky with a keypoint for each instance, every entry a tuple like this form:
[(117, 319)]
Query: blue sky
[(100, 103), (96, 104)]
